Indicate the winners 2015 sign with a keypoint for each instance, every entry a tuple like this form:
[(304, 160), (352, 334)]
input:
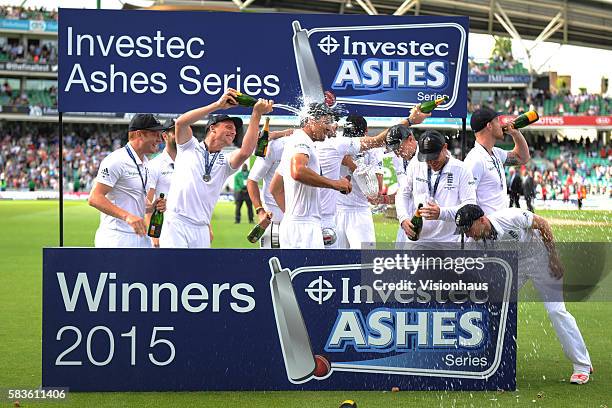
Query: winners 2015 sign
[(151, 61), (141, 320)]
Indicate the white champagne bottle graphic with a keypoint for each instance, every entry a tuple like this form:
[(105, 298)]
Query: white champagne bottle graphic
[(310, 80), (294, 339)]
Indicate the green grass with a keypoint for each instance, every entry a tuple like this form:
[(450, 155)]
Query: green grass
[(542, 368)]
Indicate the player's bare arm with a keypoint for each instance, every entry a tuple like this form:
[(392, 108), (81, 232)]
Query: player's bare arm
[(349, 163), (249, 142), (300, 172), (520, 153), (255, 196), (277, 134), (416, 117), (98, 200), (540, 224), (277, 189), (183, 123)]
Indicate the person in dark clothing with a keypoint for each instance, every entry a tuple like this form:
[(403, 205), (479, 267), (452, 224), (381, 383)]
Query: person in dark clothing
[(241, 195), (515, 188), (528, 189)]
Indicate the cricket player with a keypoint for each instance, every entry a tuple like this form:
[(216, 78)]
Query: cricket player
[(442, 184), (402, 158), (295, 185), (264, 168), (161, 169), (538, 261), (354, 222), (202, 168), (333, 151), (120, 189), (486, 162)]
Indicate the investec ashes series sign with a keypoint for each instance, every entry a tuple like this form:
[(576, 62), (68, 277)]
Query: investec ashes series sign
[(172, 61), (203, 320)]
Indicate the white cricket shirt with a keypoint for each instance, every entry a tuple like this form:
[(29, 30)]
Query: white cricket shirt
[(514, 224), (331, 151), (301, 201), (161, 169), (490, 177), (404, 208), (120, 172), (191, 199), (455, 189), (264, 168)]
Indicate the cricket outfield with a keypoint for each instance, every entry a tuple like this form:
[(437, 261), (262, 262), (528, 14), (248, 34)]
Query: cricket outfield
[(542, 370)]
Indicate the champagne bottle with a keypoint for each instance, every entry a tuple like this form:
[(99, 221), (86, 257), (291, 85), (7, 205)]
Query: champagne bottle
[(417, 222), (262, 143), (523, 120), (245, 100), (258, 230), (427, 107), (155, 225)]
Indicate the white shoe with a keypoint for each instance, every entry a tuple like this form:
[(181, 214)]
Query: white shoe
[(579, 378)]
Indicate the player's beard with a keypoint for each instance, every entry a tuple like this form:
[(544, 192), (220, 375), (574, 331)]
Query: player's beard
[(172, 144)]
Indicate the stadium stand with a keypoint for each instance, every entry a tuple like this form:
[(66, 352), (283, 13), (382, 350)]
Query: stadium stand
[(27, 13)]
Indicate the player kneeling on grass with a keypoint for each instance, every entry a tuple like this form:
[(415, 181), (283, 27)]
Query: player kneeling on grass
[(539, 261), (201, 169)]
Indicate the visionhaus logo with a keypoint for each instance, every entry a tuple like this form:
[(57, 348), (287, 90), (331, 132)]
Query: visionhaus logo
[(329, 321), (383, 65)]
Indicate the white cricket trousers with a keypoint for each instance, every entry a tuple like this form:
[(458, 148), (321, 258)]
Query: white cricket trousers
[(551, 293), (108, 238), (300, 234), (355, 228), (177, 233)]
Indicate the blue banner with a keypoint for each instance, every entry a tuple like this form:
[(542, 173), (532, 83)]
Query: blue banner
[(152, 61), (29, 25), (152, 320)]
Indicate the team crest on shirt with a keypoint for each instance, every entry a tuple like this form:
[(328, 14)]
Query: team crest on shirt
[(449, 179)]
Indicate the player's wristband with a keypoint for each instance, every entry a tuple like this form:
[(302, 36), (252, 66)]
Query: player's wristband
[(259, 208), (409, 122)]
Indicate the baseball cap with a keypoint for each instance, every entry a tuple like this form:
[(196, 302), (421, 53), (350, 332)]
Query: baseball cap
[(168, 124), (214, 119), (144, 121), (466, 216), (355, 126), (396, 135), (430, 145), (481, 117)]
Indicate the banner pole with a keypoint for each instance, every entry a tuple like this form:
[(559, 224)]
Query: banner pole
[(463, 138), (61, 180)]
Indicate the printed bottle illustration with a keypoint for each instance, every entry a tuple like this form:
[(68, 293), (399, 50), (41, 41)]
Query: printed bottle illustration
[(310, 80), (295, 342)]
